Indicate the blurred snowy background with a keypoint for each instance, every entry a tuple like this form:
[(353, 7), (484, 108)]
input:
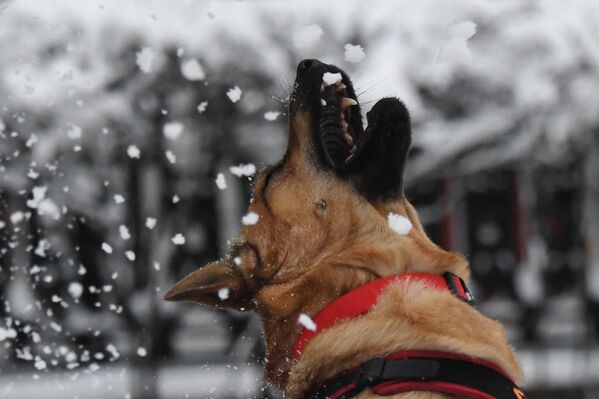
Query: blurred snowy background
[(117, 117)]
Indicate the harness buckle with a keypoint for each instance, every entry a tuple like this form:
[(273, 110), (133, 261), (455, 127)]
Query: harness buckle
[(370, 372)]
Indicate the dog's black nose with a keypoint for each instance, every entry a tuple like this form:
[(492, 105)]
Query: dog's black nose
[(304, 65)]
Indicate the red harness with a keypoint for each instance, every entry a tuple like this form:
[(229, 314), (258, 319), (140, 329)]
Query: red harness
[(412, 370)]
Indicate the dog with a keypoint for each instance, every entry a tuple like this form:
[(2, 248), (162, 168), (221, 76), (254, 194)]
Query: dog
[(325, 234)]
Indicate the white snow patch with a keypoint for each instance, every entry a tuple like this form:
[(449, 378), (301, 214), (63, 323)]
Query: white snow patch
[(223, 294), (124, 232), (307, 36), (75, 289), (250, 218), (106, 248), (150, 223), (307, 322), (172, 158), (133, 151), (141, 351), (271, 115), (331, 78), (354, 53), (202, 106), (178, 239), (144, 59), (192, 70), (39, 364), (454, 49), (16, 217), (42, 246), (39, 193), (74, 132), (399, 223), (130, 255), (7, 333), (221, 183), (172, 130), (119, 199), (234, 94), (243, 170)]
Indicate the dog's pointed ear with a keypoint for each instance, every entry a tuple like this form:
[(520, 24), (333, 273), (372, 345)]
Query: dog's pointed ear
[(218, 284)]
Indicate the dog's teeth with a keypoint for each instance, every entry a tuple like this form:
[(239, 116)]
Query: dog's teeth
[(323, 102), (348, 138), (321, 87), (348, 102), (341, 86)]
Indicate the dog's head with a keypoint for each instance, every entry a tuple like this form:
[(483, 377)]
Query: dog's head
[(323, 212)]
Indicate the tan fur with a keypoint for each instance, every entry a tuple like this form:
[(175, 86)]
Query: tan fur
[(407, 316), (316, 239)]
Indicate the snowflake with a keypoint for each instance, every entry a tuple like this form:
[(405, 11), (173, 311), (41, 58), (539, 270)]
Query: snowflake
[(150, 223), (331, 78), (250, 218), (133, 151), (106, 248), (354, 53), (172, 130), (223, 294), (220, 181), (130, 255), (124, 232), (398, 223), (172, 158), (178, 239), (144, 59), (202, 106), (192, 70), (75, 289), (271, 115), (119, 199), (307, 322), (234, 94), (243, 170)]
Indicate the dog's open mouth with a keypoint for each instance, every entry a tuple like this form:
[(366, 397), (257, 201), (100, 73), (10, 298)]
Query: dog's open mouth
[(340, 124)]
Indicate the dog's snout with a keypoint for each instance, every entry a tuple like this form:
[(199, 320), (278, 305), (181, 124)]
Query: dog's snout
[(304, 65)]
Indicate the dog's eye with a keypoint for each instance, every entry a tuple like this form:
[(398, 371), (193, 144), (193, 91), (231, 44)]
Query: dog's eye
[(245, 255), (322, 205)]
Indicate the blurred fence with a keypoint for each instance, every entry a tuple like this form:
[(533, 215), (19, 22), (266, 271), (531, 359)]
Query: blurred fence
[(115, 121)]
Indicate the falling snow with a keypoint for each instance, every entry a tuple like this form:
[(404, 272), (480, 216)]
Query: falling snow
[(133, 152), (172, 130), (192, 70), (243, 169), (354, 53), (144, 59), (178, 239), (234, 94), (271, 115), (398, 223), (250, 218), (307, 322), (220, 181)]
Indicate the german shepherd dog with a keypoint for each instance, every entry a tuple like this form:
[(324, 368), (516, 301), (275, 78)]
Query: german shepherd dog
[(323, 231)]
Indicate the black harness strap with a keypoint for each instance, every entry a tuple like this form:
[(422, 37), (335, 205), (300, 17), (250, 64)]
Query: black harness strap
[(434, 370)]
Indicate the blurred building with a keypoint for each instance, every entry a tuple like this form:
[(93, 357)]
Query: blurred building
[(115, 122)]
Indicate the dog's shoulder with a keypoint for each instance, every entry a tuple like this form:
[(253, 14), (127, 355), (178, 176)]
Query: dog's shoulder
[(408, 316)]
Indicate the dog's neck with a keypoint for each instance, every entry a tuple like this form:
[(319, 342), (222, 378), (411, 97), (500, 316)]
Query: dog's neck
[(406, 317)]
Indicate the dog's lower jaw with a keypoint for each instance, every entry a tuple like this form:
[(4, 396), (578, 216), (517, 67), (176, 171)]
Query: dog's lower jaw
[(407, 317)]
